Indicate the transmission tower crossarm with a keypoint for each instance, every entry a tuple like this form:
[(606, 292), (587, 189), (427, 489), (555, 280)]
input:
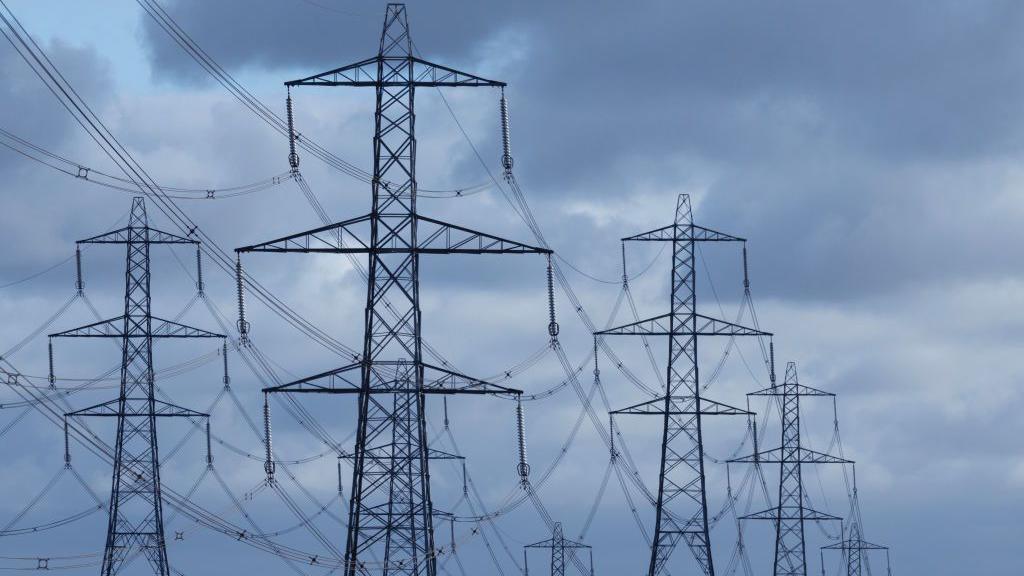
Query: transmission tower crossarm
[(394, 72), (804, 512), (682, 405), (664, 326), (114, 328), (432, 454), (123, 236), (444, 238), (683, 233), (435, 237), (799, 455), (342, 237), (798, 389), (161, 409), (309, 384), (851, 544), (436, 380)]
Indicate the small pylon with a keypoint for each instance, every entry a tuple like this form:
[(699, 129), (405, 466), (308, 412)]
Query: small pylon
[(136, 510), (791, 512), (558, 544)]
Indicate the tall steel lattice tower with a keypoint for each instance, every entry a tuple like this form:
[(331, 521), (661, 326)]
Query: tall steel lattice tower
[(390, 528), (136, 510), (558, 544), (854, 549), (682, 406), (791, 512)]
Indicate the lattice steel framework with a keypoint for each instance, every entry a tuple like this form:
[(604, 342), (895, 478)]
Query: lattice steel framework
[(682, 406), (390, 529), (853, 550), (791, 512), (136, 511), (558, 544)]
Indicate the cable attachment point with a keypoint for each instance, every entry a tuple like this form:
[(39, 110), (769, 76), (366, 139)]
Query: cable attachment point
[(268, 464), (506, 156), (293, 157), (243, 325), (552, 324), (523, 468), (79, 285)]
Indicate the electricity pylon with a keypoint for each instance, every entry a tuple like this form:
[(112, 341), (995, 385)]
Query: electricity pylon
[(682, 406), (390, 528), (136, 511), (853, 550), (558, 544), (791, 512)]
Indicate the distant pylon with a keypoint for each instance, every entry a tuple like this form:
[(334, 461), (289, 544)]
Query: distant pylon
[(791, 512), (390, 527), (136, 511), (853, 549), (558, 544), (682, 406)]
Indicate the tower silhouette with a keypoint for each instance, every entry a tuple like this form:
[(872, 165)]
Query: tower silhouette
[(136, 511), (558, 544), (682, 407), (791, 512), (390, 528)]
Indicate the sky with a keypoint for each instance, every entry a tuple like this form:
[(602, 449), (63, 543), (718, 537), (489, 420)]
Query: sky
[(868, 152)]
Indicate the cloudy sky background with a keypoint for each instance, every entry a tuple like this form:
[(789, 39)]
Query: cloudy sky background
[(869, 152)]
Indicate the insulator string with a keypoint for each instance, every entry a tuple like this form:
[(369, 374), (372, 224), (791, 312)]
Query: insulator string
[(67, 447), (79, 285), (268, 464), (243, 325), (552, 323), (293, 157), (209, 450), (224, 352), (506, 157), (523, 468), (51, 378), (200, 286)]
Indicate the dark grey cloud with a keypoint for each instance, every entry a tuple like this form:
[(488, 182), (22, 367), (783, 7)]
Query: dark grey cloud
[(825, 127)]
